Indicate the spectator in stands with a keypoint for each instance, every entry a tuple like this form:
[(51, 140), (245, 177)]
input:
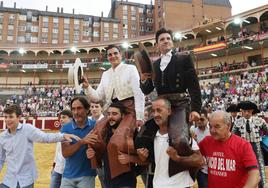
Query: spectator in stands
[(78, 171), (16, 149), (231, 161), (59, 161)]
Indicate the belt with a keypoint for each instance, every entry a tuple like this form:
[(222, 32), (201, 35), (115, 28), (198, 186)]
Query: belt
[(116, 99), (174, 96)]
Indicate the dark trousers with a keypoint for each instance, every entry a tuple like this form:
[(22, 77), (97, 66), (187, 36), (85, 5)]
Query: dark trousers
[(202, 179)]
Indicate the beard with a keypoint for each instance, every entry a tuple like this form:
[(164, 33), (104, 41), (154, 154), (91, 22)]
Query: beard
[(114, 125)]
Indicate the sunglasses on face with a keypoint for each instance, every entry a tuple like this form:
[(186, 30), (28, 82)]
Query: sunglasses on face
[(111, 54)]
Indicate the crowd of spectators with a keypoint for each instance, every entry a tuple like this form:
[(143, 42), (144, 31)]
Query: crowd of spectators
[(46, 101), (236, 88)]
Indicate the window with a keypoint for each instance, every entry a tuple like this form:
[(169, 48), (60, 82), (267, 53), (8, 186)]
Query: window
[(105, 38), (85, 33), (44, 35), (133, 27), (106, 34), (76, 27), (34, 29), (76, 33), (45, 19), (66, 32), (34, 19), (76, 37), (55, 31), (9, 38), (115, 36), (54, 41), (141, 19), (106, 29), (21, 39), (96, 34), (133, 18), (96, 24), (65, 41), (10, 27), (22, 17), (124, 17), (1, 26), (66, 26), (85, 23), (76, 21), (125, 7), (55, 20), (56, 25), (45, 24), (44, 41), (54, 35), (106, 24), (1, 37), (44, 30), (10, 32), (34, 39), (125, 22), (115, 30), (66, 21), (140, 10), (66, 37), (115, 25)]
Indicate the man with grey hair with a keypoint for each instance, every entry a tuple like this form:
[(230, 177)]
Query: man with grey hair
[(230, 159)]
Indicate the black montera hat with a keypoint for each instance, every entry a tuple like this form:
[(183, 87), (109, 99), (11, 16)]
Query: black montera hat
[(248, 105), (232, 108)]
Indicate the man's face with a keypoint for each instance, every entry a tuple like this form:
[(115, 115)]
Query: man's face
[(160, 112), (114, 56), (247, 113), (202, 122), (64, 119), (95, 109), (233, 114), (79, 112), (11, 120), (114, 116), (164, 43), (218, 129)]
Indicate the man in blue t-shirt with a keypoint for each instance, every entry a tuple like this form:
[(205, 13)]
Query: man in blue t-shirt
[(78, 172)]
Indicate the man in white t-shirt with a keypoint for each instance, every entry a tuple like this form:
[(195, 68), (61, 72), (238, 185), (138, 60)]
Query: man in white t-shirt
[(162, 152)]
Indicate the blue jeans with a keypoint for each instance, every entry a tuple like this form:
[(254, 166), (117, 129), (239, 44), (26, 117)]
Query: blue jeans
[(18, 186), (82, 182), (202, 179), (55, 179)]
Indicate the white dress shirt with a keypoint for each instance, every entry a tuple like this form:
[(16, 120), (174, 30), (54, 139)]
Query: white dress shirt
[(124, 82), (165, 59)]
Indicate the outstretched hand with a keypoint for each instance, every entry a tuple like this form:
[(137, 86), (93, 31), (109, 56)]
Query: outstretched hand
[(69, 137)]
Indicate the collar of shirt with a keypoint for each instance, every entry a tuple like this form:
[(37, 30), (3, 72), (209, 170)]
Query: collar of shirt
[(86, 124), (18, 128), (165, 59), (117, 67), (161, 135)]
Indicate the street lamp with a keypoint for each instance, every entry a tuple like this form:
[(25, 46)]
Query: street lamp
[(21, 51), (125, 45)]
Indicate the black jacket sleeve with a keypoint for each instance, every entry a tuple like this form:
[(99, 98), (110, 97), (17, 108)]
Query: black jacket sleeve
[(192, 83)]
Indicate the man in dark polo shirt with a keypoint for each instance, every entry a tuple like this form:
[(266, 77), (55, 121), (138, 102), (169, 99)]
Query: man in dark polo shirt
[(78, 172)]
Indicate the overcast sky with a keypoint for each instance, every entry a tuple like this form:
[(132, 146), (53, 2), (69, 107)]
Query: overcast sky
[(94, 7)]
